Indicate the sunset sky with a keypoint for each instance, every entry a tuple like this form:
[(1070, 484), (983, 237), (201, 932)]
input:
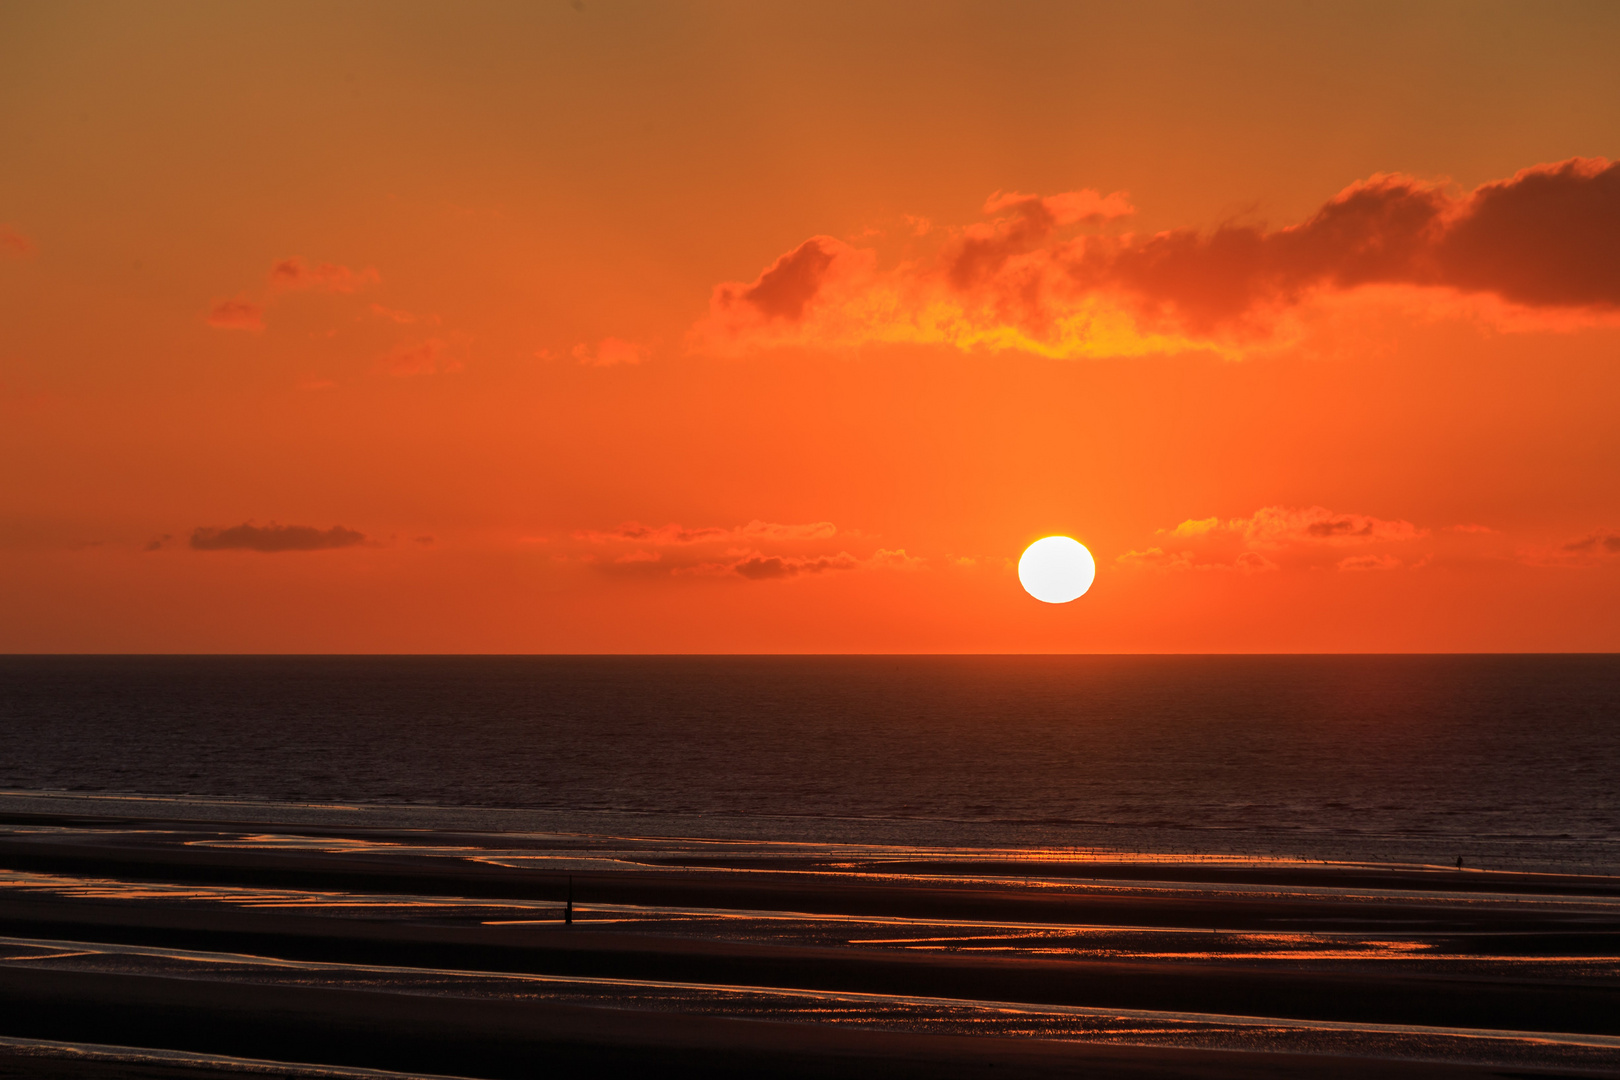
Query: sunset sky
[(753, 327)]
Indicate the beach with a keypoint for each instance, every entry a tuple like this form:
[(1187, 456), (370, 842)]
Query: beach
[(439, 952)]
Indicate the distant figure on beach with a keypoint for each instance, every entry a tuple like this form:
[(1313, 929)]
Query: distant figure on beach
[(1459, 862)]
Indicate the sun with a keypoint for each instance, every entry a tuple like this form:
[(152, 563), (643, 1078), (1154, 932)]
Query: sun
[(1056, 569)]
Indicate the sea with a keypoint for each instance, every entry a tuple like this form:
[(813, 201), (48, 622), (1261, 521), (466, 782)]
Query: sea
[(1506, 761)]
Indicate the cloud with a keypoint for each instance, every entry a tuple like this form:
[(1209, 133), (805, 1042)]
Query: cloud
[(1201, 527), (293, 274), (423, 358), (757, 551), (1597, 543), (1547, 237), (15, 243), (237, 314), (1275, 537), (1248, 562), (896, 558), (1369, 562), (758, 567), (609, 352), (997, 284), (404, 318), (1065, 209), (791, 282), (273, 538), (1158, 558), (985, 250), (791, 294), (1595, 548), (1252, 562), (1271, 526), (1542, 245), (635, 532)]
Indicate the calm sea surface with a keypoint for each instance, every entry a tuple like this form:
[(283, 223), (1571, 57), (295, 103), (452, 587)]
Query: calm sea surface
[(1511, 761)]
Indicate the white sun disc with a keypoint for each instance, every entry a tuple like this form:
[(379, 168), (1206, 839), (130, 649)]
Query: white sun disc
[(1056, 569)]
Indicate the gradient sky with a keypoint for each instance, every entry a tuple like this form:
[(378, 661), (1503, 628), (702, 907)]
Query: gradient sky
[(597, 327)]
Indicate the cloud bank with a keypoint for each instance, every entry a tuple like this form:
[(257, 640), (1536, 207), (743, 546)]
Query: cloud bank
[(766, 567), (757, 551), (1543, 243), (1277, 536), (273, 538)]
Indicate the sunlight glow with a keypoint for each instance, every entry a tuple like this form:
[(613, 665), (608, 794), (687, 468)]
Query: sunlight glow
[(1056, 569)]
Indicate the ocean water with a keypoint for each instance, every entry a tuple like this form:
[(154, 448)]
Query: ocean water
[(1510, 761)]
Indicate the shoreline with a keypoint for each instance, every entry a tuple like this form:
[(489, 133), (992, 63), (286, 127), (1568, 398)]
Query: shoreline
[(1178, 846)]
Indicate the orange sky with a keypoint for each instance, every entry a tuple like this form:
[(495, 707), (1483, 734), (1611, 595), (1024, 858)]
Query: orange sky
[(741, 327)]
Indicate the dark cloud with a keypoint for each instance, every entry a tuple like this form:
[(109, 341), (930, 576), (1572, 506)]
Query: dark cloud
[(1343, 526), (273, 537), (791, 282), (983, 250), (766, 567), (1546, 237), (1598, 543)]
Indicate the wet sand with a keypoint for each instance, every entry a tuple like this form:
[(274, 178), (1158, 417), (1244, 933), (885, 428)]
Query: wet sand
[(430, 952)]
